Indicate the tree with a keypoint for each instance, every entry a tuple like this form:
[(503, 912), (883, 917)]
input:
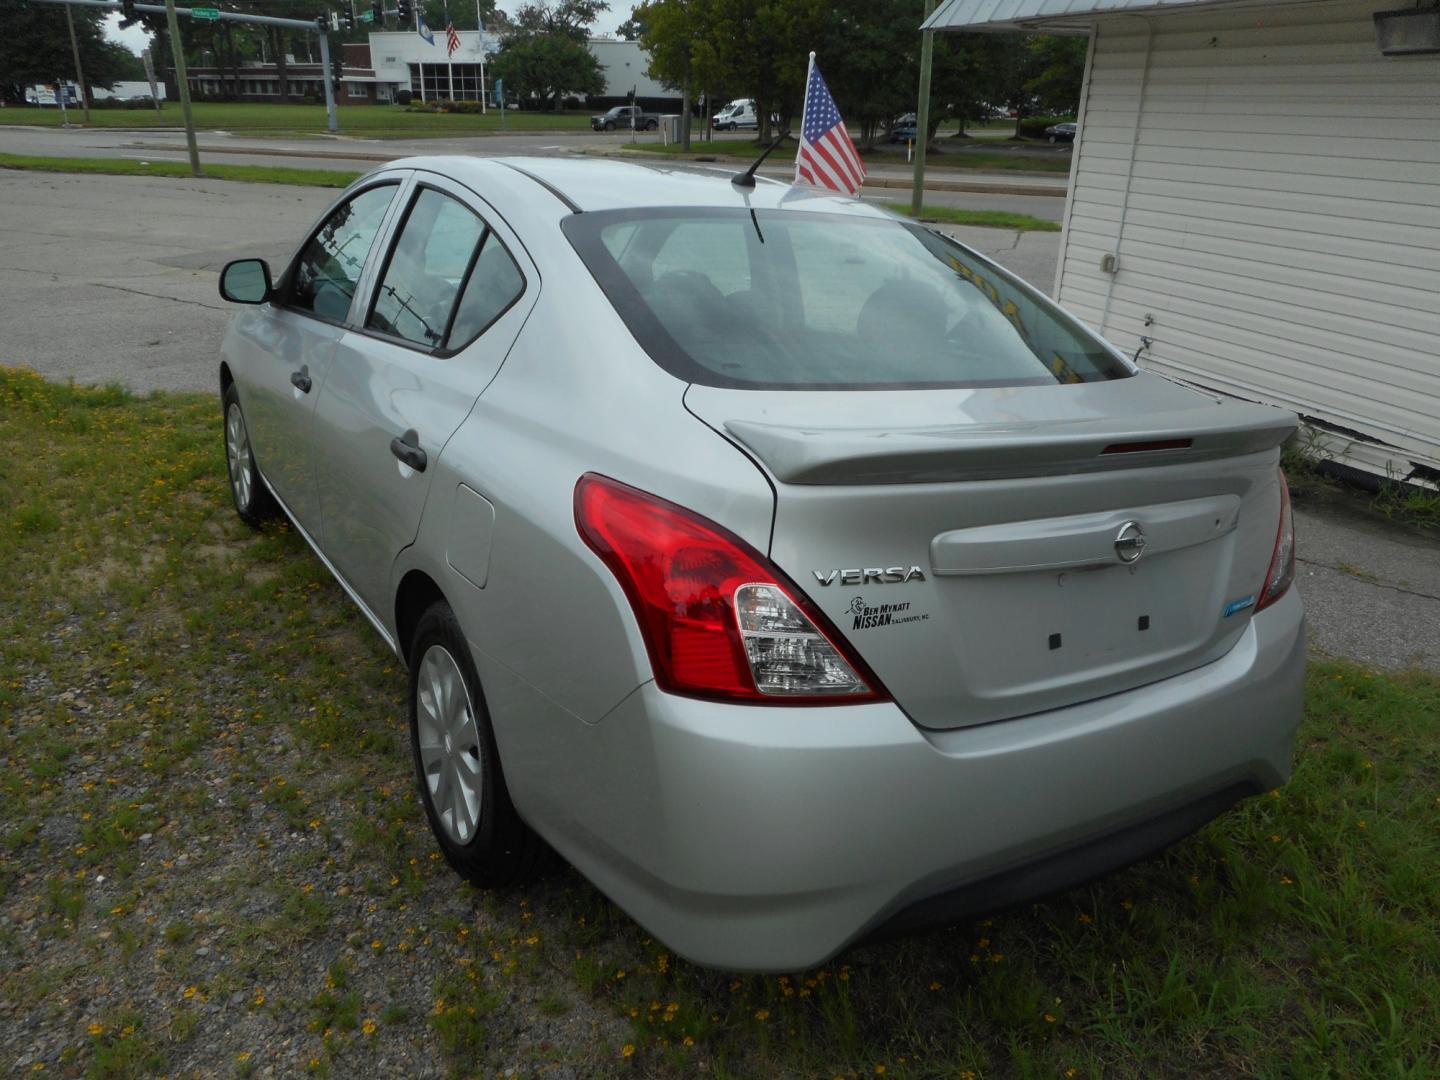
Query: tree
[(545, 66), (568, 18), (632, 29), (1059, 69), (35, 48)]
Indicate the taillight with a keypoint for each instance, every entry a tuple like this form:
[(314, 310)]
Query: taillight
[(718, 619), (1282, 561)]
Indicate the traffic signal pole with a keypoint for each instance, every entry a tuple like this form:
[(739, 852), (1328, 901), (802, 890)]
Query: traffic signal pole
[(79, 71), (182, 83), (171, 13)]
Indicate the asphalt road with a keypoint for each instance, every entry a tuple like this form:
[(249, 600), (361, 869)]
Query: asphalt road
[(112, 279)]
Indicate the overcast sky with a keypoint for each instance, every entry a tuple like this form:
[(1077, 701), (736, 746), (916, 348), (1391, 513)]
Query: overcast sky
[(137, 40)]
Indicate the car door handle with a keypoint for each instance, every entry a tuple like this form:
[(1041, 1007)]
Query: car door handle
[(301, 380), (406, 448)]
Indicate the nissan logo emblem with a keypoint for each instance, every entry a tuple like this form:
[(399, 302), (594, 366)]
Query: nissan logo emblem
[(1130, 542)]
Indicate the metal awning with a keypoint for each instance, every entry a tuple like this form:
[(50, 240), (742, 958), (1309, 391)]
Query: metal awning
[(1055, 16)]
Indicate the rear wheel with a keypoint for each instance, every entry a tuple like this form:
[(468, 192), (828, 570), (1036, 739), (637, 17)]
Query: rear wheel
[(457, 764), (609, 125), (651, 125), (252, 499)]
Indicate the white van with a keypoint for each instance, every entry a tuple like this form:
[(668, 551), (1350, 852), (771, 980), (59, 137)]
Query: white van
[(740, 113)]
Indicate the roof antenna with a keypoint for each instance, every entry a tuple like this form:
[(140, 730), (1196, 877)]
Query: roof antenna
[(747, 178)]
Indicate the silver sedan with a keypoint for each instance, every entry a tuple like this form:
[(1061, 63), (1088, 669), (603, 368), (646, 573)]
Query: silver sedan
[(792, 570)]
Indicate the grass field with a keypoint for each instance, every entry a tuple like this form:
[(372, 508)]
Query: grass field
[(212, 863), (375, 121), (979, 160), (995, 219), (257, 174)]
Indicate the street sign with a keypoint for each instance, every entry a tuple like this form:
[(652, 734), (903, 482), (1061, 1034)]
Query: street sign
[(210, 13), (367, 16)]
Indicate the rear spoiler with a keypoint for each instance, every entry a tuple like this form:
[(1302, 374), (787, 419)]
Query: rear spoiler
[(810, 455)]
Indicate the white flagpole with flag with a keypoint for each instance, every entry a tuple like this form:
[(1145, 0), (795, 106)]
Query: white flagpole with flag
[(480, 39), (452, 40), (827, 157)]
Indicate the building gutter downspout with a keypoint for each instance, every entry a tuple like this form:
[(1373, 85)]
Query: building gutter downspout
[(1129, 168)]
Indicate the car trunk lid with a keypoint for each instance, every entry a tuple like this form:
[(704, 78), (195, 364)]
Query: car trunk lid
[(997, 552)]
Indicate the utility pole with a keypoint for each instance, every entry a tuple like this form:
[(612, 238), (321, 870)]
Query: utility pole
[(79, 72), (922, 113), (182, 81)]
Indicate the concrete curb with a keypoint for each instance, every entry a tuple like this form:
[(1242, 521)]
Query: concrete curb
[(932, 183)]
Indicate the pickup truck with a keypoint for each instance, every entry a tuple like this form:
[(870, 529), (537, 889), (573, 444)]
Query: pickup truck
[(620, 117)]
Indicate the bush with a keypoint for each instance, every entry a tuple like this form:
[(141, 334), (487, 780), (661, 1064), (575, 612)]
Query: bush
[(443, 105), (127, 103), (1033, 127)]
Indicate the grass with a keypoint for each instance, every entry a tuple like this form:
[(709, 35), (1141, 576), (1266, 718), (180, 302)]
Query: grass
[(206, 760), (261, 174), (965, 159), (994, 219), (373, 121), (1306, 459)]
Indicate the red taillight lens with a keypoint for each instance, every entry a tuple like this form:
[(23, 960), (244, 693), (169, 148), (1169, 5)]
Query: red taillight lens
[(1282, 561), (718, 619)]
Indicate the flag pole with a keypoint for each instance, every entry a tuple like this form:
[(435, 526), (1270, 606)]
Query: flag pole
[(449, 53), (804, 108), (480, 31)]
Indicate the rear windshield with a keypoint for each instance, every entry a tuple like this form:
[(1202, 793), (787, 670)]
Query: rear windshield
[(801, 300)]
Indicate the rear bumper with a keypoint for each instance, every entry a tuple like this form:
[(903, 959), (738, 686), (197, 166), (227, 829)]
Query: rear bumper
[(769, 838)]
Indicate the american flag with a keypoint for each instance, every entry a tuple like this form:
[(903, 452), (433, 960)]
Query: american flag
[(452, 39), (826, 157)]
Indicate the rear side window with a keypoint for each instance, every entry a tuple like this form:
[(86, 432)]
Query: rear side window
[(329, 266), (494, 284), (800, 300), (448, 277)]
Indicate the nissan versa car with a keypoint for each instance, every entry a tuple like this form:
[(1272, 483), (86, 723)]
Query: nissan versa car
[(794, 571)]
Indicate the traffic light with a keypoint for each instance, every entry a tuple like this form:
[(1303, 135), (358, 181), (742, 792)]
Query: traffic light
[(347, 17), (377, 13), (322, 22), (405, 9), (630, 97), (128, 15), (337, 69)]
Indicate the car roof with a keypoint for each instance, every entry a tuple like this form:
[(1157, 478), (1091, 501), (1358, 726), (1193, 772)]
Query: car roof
[(592, 183)]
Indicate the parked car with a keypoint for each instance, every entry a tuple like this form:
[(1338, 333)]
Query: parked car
[(796, 572), (626, 118), (903, 129), (738, 114), (1061, 132)]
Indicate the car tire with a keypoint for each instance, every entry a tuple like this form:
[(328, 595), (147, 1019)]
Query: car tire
[(609, 125), (252, 498), (652, 125), (1054, 138), (457, 765)]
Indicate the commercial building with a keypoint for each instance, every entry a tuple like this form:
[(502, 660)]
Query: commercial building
[(392, 62)]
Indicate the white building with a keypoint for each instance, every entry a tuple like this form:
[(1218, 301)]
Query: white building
[(624, 64), (405, 61), (1255, 207)]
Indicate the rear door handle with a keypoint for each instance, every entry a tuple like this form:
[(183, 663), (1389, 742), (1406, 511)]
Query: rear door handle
[(301, 380), (407, 448)]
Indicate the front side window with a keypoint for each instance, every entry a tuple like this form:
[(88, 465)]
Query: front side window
[(330, 264), (790, 300), (448, 277)]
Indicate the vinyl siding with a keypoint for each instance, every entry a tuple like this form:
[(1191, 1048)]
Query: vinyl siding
[(1271, 185)]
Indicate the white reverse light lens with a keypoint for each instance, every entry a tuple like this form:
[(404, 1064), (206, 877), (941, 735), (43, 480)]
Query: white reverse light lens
[(787, 653)]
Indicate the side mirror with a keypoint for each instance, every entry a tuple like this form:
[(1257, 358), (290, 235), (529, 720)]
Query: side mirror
[(246, 281)]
